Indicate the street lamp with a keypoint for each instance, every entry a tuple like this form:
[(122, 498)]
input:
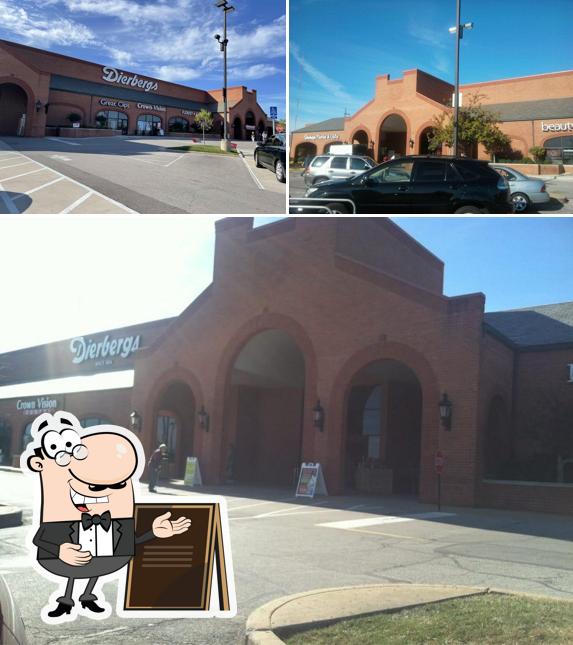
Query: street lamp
[(223, 42), (459, 31), (445, 406)]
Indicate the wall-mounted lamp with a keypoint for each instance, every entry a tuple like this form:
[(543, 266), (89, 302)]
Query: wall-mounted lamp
[(39, 105), (203, 418), (411, 142), (318, 416), (135, 421), (445, 406)]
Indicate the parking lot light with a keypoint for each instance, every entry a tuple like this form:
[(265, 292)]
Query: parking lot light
[(223, 42)]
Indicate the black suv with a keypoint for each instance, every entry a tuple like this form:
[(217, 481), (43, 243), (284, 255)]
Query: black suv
[(420, 184), (272, 154)]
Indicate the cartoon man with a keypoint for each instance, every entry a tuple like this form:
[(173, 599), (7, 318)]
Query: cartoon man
[(87, 528)]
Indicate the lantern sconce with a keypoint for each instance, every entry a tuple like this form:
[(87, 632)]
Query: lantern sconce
[(318, 416), (203, 417), (412, 142), (445, 406), (135, 421), (39, 105)]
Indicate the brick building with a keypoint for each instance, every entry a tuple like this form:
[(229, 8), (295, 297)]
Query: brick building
[(46, 88), (331, 340), (533, 111)]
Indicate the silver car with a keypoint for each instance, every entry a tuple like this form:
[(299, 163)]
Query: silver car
[(525, 190), (326, 167)]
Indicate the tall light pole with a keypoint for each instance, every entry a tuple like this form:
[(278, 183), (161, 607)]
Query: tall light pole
[(227, 8), (459, 31)]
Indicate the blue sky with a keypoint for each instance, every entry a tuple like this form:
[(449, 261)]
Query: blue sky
[(339, 47), (169, 39), (516, 262)]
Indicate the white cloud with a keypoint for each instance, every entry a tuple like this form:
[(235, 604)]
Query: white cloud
[(176, 73), (129, 11), (121, 57), (38, 31), (333, 87), (260, 70)]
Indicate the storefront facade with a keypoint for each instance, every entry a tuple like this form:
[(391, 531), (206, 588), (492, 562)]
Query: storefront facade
[(330, 340), (533, 111), (46, 88)]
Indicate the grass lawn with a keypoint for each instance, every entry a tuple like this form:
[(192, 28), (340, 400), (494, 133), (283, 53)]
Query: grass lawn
[(490, 618), (199, 147)]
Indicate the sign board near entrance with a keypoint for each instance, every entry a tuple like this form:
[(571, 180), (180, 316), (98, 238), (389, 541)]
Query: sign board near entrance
[(192, 472), (310, 481), (439, 461)]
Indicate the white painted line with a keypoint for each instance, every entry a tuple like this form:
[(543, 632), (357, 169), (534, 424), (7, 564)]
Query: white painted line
[(255, 178), (10, 158), (34, 190), (60, 157), (24, 174), (384, 519), (236, 508), (15, 165), (174, 160), (79, 201), (68, 143), (10, 206), (95, 192)]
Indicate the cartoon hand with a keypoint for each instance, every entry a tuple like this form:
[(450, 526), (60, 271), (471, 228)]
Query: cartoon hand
[(71, 554), (163, 528)]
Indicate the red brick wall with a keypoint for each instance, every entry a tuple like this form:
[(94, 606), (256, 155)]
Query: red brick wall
[(526, 497)]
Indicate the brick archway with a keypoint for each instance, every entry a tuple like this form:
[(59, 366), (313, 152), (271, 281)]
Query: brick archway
[(338, 406), (403, 139), (18, 99)]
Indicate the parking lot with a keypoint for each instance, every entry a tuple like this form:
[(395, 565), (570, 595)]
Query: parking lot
[(283, 545), (132, 174), (559, 187)]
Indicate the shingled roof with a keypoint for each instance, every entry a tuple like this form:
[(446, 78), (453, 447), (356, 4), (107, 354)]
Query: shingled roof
[(532, 110), (534, 326), (323, 126)]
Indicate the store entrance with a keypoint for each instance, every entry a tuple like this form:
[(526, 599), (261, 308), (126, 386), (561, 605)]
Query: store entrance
[(13, 106), (148, 125)]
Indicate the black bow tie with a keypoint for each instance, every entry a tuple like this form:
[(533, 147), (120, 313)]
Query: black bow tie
[(104, 520)]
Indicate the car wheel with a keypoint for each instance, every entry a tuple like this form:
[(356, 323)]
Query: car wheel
[(280, 172), (257, 164), (468, 210), (520, 202), (337, 208)]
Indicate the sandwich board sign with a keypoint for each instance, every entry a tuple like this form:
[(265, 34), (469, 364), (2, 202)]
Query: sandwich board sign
[(310, 481), (192, 575), (192, 472)]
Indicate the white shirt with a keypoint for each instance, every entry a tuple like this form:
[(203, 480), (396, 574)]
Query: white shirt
[(96, 540)]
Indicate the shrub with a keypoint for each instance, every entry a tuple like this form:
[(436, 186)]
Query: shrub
[(538, 153), (74, 117)]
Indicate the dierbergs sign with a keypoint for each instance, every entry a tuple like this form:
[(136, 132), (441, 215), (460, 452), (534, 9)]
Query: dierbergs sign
[(91, 350), (112, 75)]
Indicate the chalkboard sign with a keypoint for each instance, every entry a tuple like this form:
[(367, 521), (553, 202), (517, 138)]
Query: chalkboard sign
[(310, 481), (189, 573)]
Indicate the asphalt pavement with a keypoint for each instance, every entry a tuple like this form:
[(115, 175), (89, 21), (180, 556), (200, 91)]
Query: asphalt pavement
[(139, 174), (282, 545)]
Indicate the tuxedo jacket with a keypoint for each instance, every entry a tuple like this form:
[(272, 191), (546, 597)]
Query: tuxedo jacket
[(51, 535)]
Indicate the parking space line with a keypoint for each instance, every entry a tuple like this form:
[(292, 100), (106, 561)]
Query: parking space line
[(68, 143), (255, 178), (30, 192), (79, 201), (24, 174), (10, 206), (10, 158), (385, 519), (15, 165), (392, 535), (174, 160)]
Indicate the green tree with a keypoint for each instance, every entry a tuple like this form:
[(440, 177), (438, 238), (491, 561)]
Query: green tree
[(538, 153), (477, 124), (74, 117), (204, 119)]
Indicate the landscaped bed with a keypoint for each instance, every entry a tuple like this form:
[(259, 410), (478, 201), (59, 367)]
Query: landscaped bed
[(489, 618), (199, 147)]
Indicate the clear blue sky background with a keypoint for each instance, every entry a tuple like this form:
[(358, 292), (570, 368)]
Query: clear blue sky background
[(168, 39), (338, 47), (119, 279)]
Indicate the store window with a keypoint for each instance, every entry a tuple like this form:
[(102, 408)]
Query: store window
[(112, 120), (559, 150), (178, 124), (371, 422), (167, 433), (26, 436), (148, 125), (87, 422)]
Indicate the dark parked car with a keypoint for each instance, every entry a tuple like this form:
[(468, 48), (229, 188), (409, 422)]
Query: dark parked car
[(420, 184), (272, 155)]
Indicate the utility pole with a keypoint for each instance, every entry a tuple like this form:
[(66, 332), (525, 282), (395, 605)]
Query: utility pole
[(227, 8), (459, 31)]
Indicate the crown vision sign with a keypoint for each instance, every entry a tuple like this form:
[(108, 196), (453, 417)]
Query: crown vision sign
[(112, 75)]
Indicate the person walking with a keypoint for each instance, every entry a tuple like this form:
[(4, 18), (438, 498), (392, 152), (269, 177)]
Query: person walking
[(154, 464)]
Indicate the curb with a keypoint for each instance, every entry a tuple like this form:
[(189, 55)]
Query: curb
[(10, 516)]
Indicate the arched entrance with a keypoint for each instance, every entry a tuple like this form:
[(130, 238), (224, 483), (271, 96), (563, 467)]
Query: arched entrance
[(237, 128), (250, 124), (361, 141), (497, 448), (559, 149), (393, 135), (424, 143), (303, 150), (383, 429), (261, 128), (265, 394), (13, 105), (175, 412)]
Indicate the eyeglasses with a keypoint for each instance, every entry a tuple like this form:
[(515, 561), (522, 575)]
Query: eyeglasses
[(79, 451)]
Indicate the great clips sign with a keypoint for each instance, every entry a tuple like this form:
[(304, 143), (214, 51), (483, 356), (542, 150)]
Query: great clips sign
[(112, 75), (103, 351)]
